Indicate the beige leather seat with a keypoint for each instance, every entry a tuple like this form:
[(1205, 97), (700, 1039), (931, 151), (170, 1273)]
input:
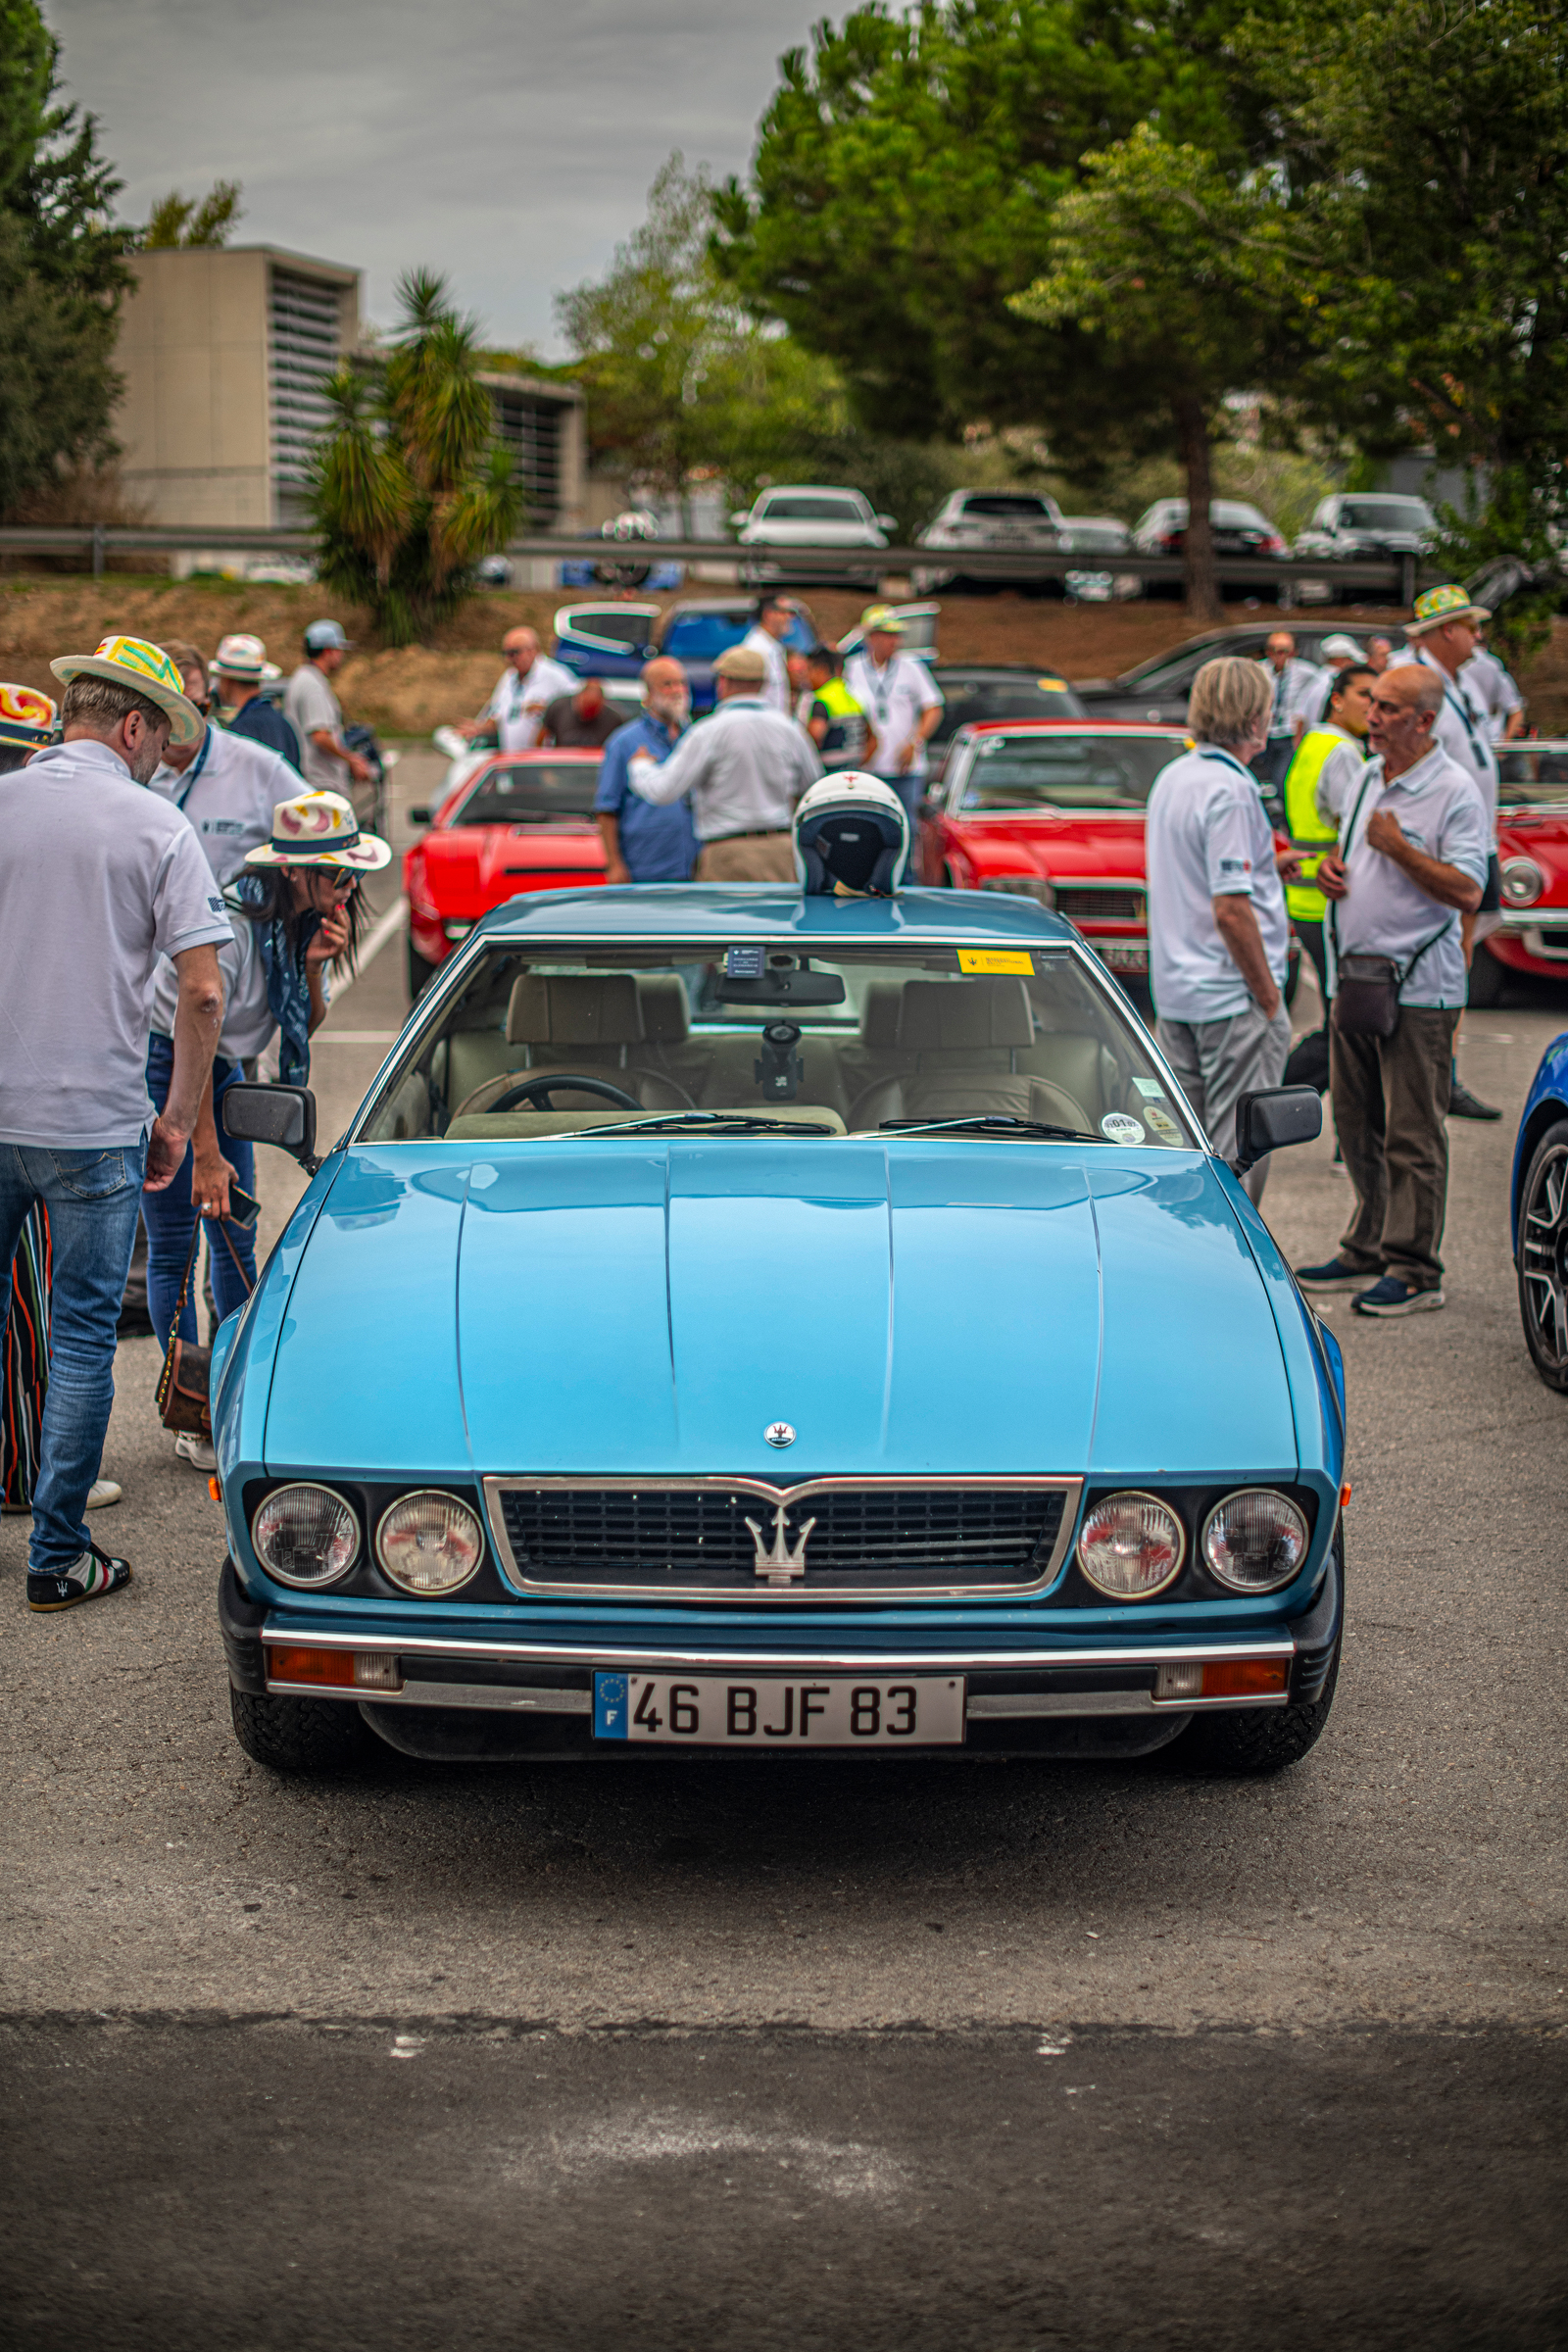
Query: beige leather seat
[(963, 1040), (578, 1022)]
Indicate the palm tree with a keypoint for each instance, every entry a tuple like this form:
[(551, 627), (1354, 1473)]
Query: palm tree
[(410, 488)]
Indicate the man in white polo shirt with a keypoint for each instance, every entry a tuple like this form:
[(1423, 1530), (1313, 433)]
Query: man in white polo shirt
[(1410, 864), (227, 784), (745, 769), (98, 878), (1218, 932), (775, 617), (902, 701), (524, 690)]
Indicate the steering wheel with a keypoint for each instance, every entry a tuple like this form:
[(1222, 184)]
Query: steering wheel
[(536, 1093)]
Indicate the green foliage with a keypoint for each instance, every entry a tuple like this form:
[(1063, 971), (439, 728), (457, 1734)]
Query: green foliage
[(62, 274), (1516, 519), (188, 221), (1436, 134), (905, 176), (410, 488)]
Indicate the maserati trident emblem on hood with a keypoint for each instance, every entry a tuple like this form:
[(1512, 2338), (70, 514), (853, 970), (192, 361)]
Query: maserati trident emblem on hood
[(779, 1433), (780, 1564)]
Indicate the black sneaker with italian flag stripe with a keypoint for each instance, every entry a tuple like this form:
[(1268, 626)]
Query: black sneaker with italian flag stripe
[(87, 1579)]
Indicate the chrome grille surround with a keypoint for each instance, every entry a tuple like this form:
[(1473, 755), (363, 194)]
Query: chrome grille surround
[(876, 1538)]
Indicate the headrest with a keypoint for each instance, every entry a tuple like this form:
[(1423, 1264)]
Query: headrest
[(576, 1011), (667, 1020), (880, 1014), (941, 1017)]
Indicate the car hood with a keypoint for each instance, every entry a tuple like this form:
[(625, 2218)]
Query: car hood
[(471, 866), (627, 1306), (1062, 848)]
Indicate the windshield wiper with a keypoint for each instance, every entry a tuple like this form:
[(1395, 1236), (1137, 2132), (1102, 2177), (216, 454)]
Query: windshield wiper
[(726, 1122), (991, 1123)]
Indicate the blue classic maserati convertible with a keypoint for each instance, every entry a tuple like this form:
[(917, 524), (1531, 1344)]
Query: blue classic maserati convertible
[(743, 1319)]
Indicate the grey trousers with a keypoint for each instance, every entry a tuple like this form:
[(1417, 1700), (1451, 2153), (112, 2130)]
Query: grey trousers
[(1218, 1062), (1391, 1099)]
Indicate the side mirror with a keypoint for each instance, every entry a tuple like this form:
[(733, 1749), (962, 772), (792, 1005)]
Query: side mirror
[(738, 522), (888, 523), (1265, 1122), (285, 1116), (420, 816)]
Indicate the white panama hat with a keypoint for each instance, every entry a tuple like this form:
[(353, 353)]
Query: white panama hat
[(319, 828)]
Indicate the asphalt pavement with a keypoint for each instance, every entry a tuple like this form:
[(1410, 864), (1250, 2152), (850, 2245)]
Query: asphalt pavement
[(947, 2054)]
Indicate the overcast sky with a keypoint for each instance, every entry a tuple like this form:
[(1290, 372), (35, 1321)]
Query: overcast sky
[(508, 142)]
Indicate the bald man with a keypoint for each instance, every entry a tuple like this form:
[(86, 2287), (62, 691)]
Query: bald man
[(1409, 867), (529, 681), (642, 843)]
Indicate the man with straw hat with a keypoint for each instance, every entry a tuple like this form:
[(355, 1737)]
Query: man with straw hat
[(1443, 630), (902, 701), (239, 673), (97, 879)]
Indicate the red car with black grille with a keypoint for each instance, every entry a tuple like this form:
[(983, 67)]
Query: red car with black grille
[(522, 821), (1054, 809)]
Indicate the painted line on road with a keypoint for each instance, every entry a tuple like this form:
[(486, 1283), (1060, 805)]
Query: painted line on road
[(391, 923)]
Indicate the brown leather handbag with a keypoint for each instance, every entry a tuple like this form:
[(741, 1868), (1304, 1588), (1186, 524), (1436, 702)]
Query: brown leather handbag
[(183, 1394)]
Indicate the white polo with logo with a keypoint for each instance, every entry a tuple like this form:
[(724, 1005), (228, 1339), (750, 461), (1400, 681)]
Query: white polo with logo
[(1440, 811), (1206, 837)]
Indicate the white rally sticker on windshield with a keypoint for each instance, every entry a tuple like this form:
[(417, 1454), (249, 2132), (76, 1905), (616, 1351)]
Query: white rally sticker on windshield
[(1163, 1125), (1120, 1129)]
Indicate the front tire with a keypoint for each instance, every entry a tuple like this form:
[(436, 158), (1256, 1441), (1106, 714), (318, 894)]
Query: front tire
[(1244, 1743), (1543, 1257), (298, 1735)]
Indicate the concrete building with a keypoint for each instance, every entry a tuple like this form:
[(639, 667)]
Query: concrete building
[(225, 352)]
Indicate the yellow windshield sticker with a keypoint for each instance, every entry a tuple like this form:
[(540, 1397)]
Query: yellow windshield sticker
[(995, 959), (1052, 685)]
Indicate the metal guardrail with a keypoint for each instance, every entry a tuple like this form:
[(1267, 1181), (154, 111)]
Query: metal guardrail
[(1395, 578)]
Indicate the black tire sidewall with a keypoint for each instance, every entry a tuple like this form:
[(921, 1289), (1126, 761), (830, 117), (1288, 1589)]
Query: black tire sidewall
[(1556, 1135)]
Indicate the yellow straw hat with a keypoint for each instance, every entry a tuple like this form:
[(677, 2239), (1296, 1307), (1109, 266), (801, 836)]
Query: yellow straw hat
[(147, 670)]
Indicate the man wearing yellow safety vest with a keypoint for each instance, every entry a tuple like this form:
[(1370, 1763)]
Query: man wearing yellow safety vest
[(1328, 760)]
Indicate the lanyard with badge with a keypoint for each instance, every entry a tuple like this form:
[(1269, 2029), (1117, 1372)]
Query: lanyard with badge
[(187, 782), (882, 693)]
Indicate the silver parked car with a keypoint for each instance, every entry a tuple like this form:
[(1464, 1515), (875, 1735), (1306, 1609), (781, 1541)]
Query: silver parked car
[(987, 522), (1361, 523), (801, 514)]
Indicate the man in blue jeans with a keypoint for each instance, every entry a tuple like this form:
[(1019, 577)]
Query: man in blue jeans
[(98, 877)]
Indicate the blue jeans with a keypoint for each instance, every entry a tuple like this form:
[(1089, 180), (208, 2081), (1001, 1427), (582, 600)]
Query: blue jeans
[(170, 1215), (92, 1198)]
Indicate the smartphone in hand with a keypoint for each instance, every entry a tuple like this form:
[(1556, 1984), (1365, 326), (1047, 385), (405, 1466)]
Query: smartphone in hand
[(243, 1208)]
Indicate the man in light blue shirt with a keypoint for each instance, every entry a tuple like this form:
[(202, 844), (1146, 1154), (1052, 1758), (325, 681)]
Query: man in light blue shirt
[(1218, 932), (1410, 864), (642, 843)]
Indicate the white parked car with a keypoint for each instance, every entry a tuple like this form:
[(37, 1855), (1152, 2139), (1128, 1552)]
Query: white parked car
[(989, 522), (798, 515)]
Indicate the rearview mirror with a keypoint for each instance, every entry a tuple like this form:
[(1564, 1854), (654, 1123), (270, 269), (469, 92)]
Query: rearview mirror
[(285, 1116), (1268, 1120)]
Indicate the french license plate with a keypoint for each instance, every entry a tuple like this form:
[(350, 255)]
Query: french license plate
[(770, 1713), (1126, 959)]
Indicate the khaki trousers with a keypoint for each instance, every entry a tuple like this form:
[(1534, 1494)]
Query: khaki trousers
[(749, 857), (1391, 1099)]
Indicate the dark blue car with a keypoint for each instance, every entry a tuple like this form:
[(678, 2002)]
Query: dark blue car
[(1539, 1207), (614, 640)]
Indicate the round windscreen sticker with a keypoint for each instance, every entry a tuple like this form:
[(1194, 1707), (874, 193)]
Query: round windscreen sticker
[(1118, 1128)]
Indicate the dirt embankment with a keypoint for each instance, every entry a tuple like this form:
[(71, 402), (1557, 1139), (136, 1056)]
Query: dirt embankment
[(407, 693)]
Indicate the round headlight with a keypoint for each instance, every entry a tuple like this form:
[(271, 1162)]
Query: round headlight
[(429, 1542), (1254, 1542), (306, 1536), (1130, 1545), (1522, 881)]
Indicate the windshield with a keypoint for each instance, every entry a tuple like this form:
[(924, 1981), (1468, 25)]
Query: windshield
[(812, 509), (1386, 515), (1068, 771), (1002, 502), (704, 636), (530, 792), (971, 700), (757, 1038), (629, 625), (1533, 774)]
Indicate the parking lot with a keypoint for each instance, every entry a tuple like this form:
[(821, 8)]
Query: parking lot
[(940, 2055)]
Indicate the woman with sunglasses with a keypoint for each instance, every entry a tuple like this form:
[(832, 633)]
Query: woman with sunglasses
[(296, 911)]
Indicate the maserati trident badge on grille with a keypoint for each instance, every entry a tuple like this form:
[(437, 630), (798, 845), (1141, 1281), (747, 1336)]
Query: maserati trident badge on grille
[(780, 1565), (779, 1433)]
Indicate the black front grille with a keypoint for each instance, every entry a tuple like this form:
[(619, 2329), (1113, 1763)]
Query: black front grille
[(1101, 905), (864, 1538)]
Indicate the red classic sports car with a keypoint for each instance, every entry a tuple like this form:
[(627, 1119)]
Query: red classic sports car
[(1533, 847), (524, 820), (1053, 809)]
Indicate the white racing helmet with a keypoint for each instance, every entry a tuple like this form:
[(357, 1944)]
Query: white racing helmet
[(850, 830)]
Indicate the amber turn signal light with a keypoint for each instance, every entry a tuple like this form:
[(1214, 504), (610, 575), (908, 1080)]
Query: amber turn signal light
[(1247, 1678), (214, 1488), (333, 1669)]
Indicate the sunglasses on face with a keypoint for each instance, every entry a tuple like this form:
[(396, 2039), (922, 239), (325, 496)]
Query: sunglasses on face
[(338, 879)]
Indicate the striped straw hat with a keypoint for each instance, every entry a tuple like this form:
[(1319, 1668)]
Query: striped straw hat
[(319, 828), (145, 668), (28, 718)]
